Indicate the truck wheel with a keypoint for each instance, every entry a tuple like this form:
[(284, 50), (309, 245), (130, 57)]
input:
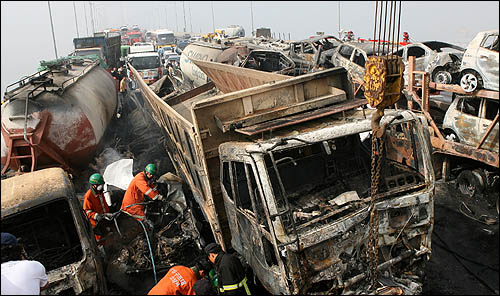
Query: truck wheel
[(471, 81), (470, 182)]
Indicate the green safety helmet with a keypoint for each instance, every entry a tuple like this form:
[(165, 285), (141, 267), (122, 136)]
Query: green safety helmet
[(96, 179), (151, 168)]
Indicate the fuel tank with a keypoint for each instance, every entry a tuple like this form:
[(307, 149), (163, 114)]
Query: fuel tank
[(62, 112)]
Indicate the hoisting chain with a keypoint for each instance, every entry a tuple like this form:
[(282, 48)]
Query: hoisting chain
[(376, 165)]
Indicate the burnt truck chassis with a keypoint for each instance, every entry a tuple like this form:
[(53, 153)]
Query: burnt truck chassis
[(325, 253), (322, 192)]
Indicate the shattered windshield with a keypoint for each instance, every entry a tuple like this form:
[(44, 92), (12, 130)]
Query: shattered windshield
[(143, 63), (331, 178)]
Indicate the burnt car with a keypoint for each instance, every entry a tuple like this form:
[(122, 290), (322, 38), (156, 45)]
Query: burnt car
[(467, 120), (479, 66), (440, 59), (315, 51), (41, 208), (270, 61), (352, 56)]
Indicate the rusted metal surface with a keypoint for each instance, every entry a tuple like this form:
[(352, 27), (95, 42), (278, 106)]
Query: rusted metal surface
[(488, 131), (16, 142), (299, 118), (464, 126), (458, 149), (80, 99), (484, 93), (60, 236), (329, 233), (229, 78), (306, 239)]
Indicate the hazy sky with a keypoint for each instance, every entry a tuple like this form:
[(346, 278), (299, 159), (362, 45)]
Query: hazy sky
[(26, 36)]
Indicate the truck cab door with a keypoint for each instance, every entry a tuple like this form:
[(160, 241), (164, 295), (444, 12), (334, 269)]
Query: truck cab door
[(251, 236)]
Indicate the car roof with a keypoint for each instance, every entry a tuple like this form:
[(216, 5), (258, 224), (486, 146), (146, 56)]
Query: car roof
[(368, 48), (143, 54)]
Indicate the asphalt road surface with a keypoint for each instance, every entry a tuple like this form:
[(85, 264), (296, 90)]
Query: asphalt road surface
[(465, 253)]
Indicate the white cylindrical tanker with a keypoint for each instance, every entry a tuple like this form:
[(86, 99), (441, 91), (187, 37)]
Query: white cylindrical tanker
[(203, 51), (69, 107)]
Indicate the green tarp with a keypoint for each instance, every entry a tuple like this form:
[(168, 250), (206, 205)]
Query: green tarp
[(44, 65)]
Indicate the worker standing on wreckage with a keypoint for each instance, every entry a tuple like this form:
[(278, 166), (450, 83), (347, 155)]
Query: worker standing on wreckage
[(94, 204), (142, 184)]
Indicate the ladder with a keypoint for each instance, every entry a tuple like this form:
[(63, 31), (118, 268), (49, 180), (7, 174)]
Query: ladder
[(17, 146)]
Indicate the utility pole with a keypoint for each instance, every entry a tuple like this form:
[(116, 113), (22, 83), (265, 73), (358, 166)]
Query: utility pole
[(52, 26), (85, 12), (76, 21), (190, 18), (176, 23), (339, 20), (251, 13), (213, 20), (184, 12), (92, 18)]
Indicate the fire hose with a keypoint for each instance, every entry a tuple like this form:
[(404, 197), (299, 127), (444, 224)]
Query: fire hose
[(145, 233)]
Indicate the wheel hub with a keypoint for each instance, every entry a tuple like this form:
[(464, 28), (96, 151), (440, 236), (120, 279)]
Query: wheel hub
[(469, 82)]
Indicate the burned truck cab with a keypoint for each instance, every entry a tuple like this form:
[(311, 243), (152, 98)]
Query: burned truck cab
[(298, 205), (41, 209)]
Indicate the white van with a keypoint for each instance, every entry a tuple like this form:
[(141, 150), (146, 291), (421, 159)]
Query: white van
[(147, 64), (142, 47)]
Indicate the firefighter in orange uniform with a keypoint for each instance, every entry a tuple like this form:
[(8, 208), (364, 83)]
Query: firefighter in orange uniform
[(180, 280), (141, 185), (94, 204)]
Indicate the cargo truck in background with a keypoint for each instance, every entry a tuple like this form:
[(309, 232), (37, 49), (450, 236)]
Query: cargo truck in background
[(281, 172), (103, 44)]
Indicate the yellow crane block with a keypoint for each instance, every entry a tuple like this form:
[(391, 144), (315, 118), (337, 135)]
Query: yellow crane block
[(383, 80)]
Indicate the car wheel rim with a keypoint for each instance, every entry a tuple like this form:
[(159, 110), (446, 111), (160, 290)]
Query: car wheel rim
[(443, 77), (468, 82)]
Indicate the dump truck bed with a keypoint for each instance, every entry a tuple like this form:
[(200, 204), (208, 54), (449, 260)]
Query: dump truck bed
[(198, 125)]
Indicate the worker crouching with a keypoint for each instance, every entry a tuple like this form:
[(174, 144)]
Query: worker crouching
[(231, 274)]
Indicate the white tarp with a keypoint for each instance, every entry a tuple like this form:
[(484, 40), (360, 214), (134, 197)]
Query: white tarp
[(119, 173)]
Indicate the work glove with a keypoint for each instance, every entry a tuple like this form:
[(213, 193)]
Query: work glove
[(108, 216), (98, 217), (159, 197)]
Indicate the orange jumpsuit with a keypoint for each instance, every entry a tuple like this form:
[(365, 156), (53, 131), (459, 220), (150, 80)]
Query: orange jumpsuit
[(136, 190), (93, 204), (179, 280)]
